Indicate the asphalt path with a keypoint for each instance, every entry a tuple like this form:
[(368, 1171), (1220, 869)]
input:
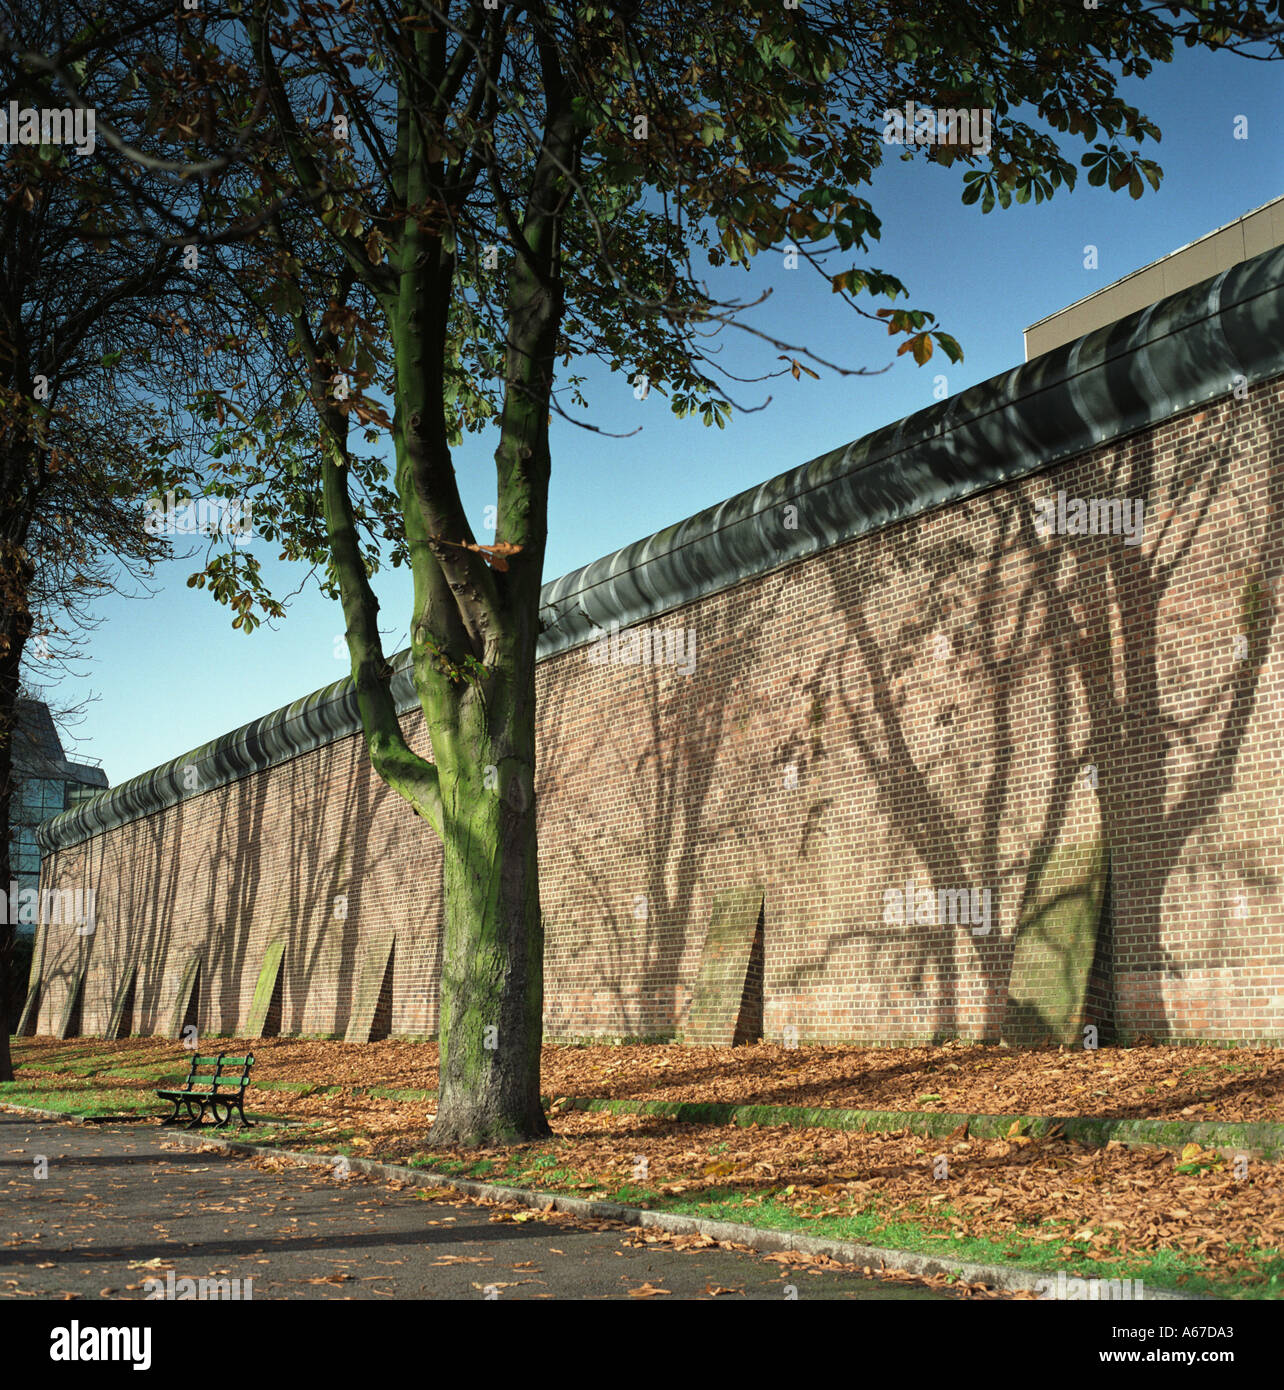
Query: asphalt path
[(121, 1212)]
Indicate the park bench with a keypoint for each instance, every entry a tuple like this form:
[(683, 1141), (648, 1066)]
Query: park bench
[(216, 1084)]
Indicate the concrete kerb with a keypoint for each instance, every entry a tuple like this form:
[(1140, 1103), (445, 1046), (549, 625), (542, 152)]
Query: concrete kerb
[(757, 1238)]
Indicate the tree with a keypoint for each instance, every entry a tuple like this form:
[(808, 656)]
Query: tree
[(90, 332), (473, 194)]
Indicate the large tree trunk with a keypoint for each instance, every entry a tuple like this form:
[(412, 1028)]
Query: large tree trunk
[(8, 710), (7, 938), (491, 1027), (478, 697), (14, 626), (8, 932)]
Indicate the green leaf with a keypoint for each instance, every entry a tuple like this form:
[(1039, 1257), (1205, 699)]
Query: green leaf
[(949, 346)]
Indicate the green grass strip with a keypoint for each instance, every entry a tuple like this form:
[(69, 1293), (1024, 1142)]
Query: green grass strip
[(926, 1231), (75, 1102)]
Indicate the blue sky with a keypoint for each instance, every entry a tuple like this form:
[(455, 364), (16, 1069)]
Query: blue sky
[(170, 674)]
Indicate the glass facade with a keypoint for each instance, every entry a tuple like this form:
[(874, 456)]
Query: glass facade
[(35, 799), (44, 783)]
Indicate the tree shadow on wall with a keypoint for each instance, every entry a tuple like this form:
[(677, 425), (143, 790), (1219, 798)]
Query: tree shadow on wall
[(1077, 626), (677, 815), (223, 874), (136, 889), (321, 904)]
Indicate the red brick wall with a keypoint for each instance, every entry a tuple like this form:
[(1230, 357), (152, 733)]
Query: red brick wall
[(920, 703)]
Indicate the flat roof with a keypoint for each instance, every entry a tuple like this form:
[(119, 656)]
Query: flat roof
[(1249, 235)]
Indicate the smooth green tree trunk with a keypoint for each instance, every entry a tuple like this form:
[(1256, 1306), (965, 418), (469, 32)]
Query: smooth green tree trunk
[(491, 1027), (492, 996)]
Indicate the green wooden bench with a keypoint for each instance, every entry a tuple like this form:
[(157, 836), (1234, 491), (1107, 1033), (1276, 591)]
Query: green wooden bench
[(216, 1084)]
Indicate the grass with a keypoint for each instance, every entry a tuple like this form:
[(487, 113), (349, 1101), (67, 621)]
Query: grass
[(91, 1100), (1161, 1269), (929, 1232)]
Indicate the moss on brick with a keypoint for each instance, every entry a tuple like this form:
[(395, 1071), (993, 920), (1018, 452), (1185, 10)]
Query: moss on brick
[(1056, 940), (265, 987)]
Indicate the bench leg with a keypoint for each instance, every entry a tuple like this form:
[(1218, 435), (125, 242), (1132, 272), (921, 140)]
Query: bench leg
[(230, 1105), (197, 1116), (172, 1119)]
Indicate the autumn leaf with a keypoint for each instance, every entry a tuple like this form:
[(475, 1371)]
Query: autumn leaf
[(796, 367), (647, 1290), (920, 344)]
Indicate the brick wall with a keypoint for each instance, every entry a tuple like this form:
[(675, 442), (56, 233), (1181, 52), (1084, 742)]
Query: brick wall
[(954, 701)]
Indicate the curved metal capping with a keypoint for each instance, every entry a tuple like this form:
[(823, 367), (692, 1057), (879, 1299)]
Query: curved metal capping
[(1177, 353)]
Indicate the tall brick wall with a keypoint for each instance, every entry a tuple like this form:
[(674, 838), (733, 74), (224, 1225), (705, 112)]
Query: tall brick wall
[(953, 700)]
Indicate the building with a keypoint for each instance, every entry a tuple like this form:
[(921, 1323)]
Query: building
[(46, 783), (1253, 234)]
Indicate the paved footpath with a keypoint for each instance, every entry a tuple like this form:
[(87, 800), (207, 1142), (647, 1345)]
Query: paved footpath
[(121, 1204)]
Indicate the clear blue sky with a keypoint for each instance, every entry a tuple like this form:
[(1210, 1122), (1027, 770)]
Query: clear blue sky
[(170, 673)]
